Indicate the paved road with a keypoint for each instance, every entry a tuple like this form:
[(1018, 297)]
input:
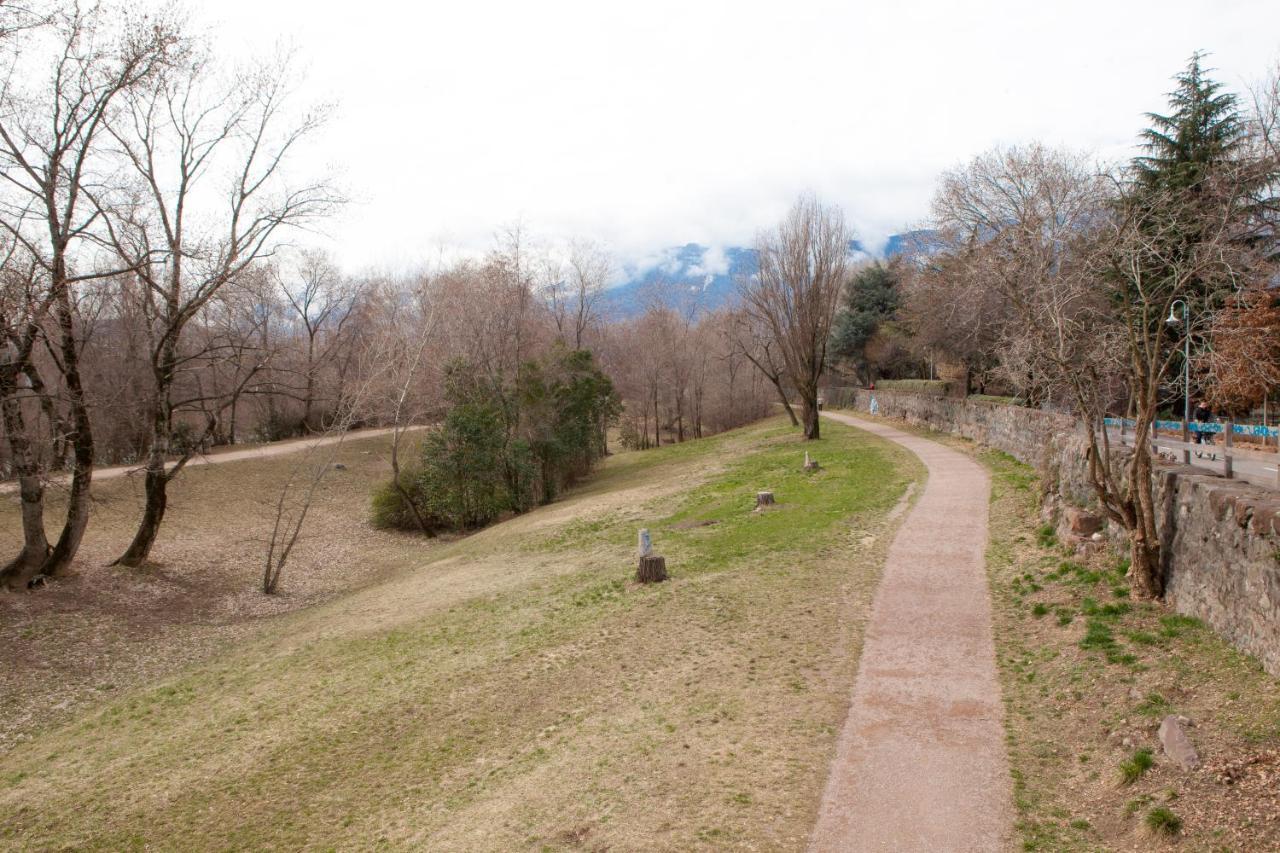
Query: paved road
[(920, 764), (261, 451), (1250, 470)]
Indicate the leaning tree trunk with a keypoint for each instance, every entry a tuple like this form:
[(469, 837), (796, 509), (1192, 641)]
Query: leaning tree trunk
[(786, 403), (81, 440), (156, 485), (157, 499)]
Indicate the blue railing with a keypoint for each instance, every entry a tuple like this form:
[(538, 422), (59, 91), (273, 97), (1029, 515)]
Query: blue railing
[(1198, 426)]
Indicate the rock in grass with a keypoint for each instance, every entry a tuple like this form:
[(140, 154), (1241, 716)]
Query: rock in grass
[(1173, 737)]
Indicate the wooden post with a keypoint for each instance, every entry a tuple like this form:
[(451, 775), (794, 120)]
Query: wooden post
[(1228, 431), (764, 500)]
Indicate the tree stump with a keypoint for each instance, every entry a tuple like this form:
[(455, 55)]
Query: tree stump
[(764, 500), (652, 569)]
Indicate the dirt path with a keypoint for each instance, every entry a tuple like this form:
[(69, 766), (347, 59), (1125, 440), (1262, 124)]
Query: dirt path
[(278, 448), (920, 764)]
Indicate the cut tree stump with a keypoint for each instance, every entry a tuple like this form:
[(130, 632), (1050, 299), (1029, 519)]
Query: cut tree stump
[(652, 569), (764, 499)]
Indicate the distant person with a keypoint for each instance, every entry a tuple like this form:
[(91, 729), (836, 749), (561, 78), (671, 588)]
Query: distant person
[(1201, 415)]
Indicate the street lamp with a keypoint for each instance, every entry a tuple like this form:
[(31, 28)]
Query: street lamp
[(1172, 320)]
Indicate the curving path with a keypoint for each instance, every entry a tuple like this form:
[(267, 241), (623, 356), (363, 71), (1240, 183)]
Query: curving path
[(920, 764), (230, 454)]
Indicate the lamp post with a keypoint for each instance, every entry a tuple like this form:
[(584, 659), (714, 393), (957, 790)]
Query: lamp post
[(1172, 320)]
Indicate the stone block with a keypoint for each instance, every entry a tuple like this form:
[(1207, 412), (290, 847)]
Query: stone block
[(1179, 748)]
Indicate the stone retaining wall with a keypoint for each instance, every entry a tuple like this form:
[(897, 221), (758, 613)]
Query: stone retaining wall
[(1222, 537)]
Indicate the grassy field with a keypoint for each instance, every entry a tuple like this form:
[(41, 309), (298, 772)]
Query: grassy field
[(510, 690)]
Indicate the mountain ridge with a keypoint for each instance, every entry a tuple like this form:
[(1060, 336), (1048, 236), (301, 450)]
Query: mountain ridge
[(707, 274)]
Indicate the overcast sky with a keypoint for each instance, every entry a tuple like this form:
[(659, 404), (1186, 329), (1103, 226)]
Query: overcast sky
[(651, 124)]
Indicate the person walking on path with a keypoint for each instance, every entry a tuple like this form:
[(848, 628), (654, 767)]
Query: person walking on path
[(1201, 414)]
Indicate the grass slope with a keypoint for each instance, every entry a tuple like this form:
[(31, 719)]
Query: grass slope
[(1088, 674), (516, 690)]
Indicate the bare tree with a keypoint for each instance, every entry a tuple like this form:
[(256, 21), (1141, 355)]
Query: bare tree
[(802, 266), (573, 290), (50, 151), (1091, 271), (185, 242), (322, 302), (756, 343)]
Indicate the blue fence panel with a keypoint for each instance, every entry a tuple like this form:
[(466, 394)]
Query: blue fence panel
[(1196, 426)]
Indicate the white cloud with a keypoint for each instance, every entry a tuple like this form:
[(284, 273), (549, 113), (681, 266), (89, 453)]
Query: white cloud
[(657, 124)]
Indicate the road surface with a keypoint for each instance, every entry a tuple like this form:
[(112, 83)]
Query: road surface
[(1250, 470)]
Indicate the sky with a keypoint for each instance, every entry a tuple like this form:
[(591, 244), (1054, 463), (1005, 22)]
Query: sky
[(645, 125)]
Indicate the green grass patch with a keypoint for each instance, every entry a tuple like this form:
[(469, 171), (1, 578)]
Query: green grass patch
[(1163, 821), (1132, 769)]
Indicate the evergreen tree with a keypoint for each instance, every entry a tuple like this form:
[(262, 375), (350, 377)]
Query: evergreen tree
[(871, 299), (1203, 129)]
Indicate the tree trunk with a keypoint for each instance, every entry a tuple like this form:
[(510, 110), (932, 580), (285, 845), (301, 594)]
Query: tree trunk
[(657, 422), (1144, 545), (81, 440), (157, 499), (652, 569), (35, 545), (308, 403), (809, 408), (786, 404)]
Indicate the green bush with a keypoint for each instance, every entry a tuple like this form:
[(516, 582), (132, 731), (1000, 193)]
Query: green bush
[(391, 510), (503, 447), (467, 476)]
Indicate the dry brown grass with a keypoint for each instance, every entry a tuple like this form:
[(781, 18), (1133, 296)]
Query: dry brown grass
[(1079, 709), (511, 690)]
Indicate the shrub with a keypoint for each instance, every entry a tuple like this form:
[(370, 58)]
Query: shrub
[(391, 510), (502, 447), (467, 474)]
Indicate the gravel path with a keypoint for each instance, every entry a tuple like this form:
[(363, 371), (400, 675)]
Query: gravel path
[(277, 448), (920, 764)]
